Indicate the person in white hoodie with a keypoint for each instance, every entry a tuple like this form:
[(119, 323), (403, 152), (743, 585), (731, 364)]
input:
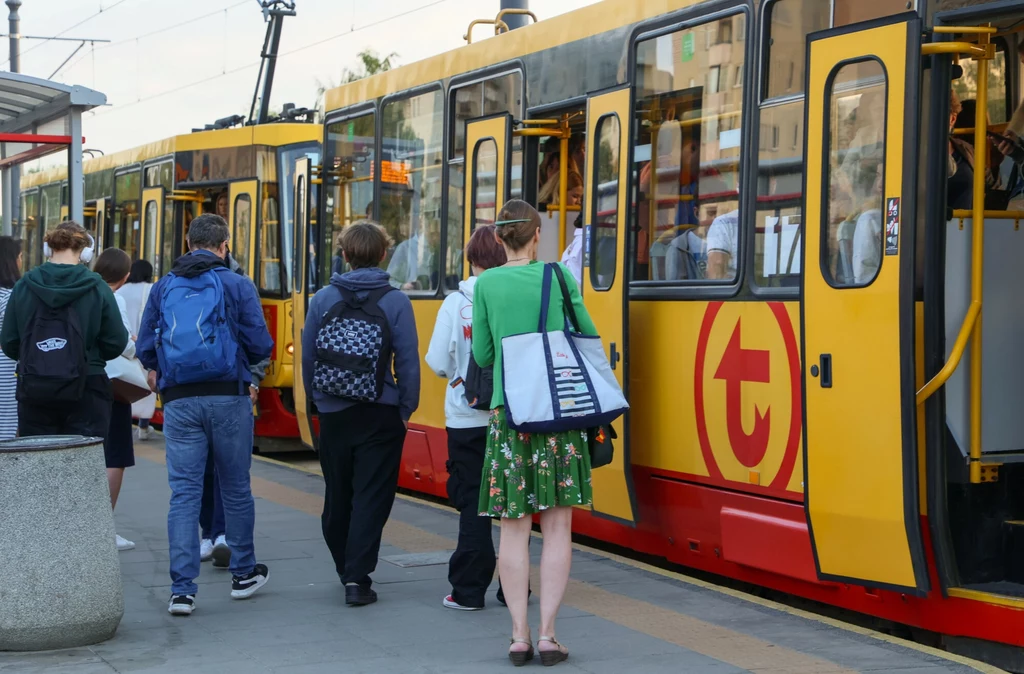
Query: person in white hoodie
[(471, 567)]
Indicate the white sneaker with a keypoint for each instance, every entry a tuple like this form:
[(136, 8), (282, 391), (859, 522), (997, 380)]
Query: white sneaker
[(449, 602), (123, 543), (145, 433), (221, 553), (205, 550), (182, 604)]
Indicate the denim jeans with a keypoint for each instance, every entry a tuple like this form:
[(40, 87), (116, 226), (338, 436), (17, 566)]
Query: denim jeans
[(211, 514), (192, 428)]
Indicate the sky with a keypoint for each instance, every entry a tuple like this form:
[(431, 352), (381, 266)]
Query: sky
[(173, 65)]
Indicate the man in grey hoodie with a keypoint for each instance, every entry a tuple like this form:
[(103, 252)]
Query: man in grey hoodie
[(361, 442)]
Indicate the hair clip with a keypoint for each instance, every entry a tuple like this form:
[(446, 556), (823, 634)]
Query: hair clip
[(499, 223)]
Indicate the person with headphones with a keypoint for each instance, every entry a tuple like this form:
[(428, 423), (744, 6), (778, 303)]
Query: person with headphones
[(62, 326)]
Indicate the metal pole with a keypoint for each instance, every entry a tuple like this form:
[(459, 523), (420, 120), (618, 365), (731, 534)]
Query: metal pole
[(271, 56), (515, 20), (76, 205), (15, 34)]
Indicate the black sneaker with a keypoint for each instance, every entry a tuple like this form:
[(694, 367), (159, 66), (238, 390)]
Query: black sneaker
[(243, 587), (359, 595), (182, 604)]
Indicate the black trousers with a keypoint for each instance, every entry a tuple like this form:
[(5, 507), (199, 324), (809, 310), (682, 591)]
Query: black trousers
[(89, 417), (471, 567), (360, 453)]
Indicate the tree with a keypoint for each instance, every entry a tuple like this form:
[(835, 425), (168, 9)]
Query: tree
[(370, 64)]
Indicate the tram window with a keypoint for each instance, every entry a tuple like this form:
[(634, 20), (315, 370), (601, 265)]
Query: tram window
[(485, 182), (493, 96), (966, 87), (348, 183), (605, 216), (789, 22), (688, 154), (167, 255), (242, 228), (159, 175), (269, 275), (856, 140), (846, 12), (410, 194), (49, 208), (269, 237), (151, 231), (125, 230), (30, 229)]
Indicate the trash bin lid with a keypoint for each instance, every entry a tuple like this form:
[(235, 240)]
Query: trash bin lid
[(38, 443)]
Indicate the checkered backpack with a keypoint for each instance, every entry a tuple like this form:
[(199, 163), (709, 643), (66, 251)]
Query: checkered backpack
[(353, 348)]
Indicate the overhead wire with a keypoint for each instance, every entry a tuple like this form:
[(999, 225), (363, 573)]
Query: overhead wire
[(354, 29), (69, 29), (172, 27)]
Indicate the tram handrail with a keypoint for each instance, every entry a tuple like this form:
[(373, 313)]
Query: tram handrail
[(943, 375)]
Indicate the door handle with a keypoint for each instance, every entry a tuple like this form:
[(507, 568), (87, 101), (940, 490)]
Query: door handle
[(614, 357), (826, 370)]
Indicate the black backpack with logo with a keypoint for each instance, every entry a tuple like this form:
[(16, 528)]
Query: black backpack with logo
[(353, 348), (479, 384), (52, 364)]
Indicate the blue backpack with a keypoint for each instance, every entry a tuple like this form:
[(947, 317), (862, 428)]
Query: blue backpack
[(195, 342)]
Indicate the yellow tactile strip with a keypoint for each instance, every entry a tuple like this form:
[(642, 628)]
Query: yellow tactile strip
[(713, 641)]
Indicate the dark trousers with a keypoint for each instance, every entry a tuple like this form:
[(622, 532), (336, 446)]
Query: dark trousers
[(360, 453), (89, 417), (211, 511), (471, 567)]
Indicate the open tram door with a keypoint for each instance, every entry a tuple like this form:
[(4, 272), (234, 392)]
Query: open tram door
[(860, 450), (242, 205), (152, 223), (488, 169), (605, 277), (300, 293)]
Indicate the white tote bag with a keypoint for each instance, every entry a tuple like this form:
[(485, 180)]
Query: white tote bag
[(559, 380), (127, 379)]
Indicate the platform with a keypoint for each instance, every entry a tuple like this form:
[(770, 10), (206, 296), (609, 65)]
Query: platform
[(618, 615)]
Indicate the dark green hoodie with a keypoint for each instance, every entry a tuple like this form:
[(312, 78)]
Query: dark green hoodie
[(58, 285)]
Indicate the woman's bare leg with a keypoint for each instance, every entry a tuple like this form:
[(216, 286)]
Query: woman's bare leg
[(555, 562), (114, 477), (514, 569)]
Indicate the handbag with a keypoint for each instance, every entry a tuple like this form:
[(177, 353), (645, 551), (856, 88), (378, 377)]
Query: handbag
[(559, 380), (127, 379), (599, 442)]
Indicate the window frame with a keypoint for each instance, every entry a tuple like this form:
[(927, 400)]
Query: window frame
[(826, 186), (233, 226), (398, 97), (114, 202), (675, 290)]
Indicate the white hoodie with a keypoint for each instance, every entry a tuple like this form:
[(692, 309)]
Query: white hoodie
[(449, 353)]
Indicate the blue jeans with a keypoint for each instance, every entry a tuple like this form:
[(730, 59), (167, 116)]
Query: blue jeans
[(192, 428), (211, 514)]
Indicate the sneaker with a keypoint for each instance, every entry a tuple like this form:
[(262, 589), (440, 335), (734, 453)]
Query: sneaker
[(123, 543), (205, 550), (359, 595), (243, 587), (449, 602), (145, 433), (182, 604), (221, 553)]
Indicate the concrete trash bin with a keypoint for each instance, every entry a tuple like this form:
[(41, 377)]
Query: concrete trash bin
[(60, 578)]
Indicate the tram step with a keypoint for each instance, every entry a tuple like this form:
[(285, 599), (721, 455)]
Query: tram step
[(998, 458), (1013, 542)]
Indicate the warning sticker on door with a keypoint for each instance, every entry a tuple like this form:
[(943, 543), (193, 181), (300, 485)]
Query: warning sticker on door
[(892, 226)]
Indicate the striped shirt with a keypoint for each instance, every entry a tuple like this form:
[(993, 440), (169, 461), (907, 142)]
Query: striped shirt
[(8, 405)]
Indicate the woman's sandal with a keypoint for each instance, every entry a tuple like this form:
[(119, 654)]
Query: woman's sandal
[(520, 658), (554, 656)]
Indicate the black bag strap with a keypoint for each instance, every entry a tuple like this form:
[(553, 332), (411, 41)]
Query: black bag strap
[(570, 311)]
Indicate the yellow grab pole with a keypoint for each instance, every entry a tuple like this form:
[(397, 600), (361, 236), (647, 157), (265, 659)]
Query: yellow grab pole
[(977, 254)]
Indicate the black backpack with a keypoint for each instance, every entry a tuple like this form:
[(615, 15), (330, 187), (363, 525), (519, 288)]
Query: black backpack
[(353, 348), (478, 386), (52, 364)]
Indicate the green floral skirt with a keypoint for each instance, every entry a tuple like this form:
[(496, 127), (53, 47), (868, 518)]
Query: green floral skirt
[(525, 473)]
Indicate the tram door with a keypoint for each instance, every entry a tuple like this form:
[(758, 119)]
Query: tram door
[(488, 170), (300, 293), (858, 323), (242, 204), (604, 277)]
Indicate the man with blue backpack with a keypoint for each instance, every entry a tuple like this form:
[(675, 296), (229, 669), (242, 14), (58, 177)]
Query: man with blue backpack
[(202, 330)]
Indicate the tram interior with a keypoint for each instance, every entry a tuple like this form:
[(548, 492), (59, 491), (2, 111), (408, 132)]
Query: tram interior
[(544, 176), (986, 517)]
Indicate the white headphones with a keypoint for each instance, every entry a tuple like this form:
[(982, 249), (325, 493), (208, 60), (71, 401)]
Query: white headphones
[(87, 253)]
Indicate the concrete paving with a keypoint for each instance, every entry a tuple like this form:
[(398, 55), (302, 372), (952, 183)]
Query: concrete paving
[(617, 617)]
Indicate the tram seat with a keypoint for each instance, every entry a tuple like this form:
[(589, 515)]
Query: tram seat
[(1002, 334)]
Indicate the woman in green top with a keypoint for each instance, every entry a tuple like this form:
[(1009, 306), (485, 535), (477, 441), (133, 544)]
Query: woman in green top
[(524, 473)]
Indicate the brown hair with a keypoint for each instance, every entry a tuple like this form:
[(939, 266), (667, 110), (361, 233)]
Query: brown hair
[(10, 249), (954, 103), (364, 244), (574, 180), (67, 235), (113, 265), (483, 250), (517, 224)]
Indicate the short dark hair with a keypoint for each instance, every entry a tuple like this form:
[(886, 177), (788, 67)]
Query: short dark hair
[(10, 249), (142, 272), (483, 250), (208, 231), (364, 244), (113, 265)]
